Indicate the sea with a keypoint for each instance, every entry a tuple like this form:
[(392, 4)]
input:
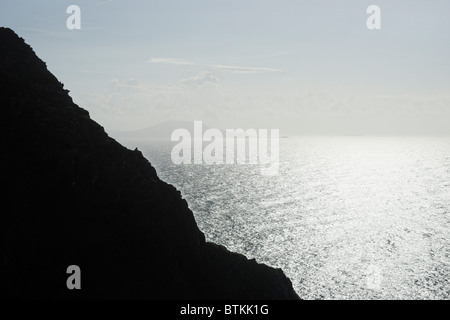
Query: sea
[(348, 217)]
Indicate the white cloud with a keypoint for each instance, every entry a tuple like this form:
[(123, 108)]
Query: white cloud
[(132, 103), (227, 68), (200, 79), (104, 2), (170, 61), (238, 69)]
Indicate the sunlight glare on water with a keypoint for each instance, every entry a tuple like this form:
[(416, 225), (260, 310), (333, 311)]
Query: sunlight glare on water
[(345, 218)]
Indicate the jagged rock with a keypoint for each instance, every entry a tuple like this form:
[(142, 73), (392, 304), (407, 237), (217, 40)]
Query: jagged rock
[(74, 196)]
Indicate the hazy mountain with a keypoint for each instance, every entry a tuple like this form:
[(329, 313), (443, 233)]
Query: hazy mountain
[(161, 130)]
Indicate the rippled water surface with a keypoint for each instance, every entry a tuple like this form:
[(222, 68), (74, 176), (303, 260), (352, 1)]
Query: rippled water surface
[(345, 218)]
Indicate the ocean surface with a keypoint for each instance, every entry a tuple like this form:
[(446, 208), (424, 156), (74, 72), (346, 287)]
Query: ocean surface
[(345, 218)]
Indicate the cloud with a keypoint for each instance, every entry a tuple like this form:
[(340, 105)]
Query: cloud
[(170, 61), (200, 79), (238, 69), (227, 68), (104, 2), (133, 103)]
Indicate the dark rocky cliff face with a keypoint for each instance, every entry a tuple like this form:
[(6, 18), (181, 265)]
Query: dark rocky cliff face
[(74, 196)]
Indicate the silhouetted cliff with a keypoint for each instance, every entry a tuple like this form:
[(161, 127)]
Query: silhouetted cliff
[(74, 196)]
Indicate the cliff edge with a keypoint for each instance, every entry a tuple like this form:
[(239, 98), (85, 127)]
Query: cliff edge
[(74, 196)]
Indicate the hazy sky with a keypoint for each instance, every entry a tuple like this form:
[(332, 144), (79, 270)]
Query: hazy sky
[(301, 66)]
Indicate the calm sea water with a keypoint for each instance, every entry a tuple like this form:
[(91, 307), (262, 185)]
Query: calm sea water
[(345, 218)]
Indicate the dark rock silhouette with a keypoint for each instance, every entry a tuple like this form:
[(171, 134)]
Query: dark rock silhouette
[(74, 196)]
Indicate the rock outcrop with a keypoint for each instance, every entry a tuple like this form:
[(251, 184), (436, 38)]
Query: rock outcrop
[(74, 196)]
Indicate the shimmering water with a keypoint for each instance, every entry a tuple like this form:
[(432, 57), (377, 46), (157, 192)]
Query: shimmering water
[(345, 218)]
